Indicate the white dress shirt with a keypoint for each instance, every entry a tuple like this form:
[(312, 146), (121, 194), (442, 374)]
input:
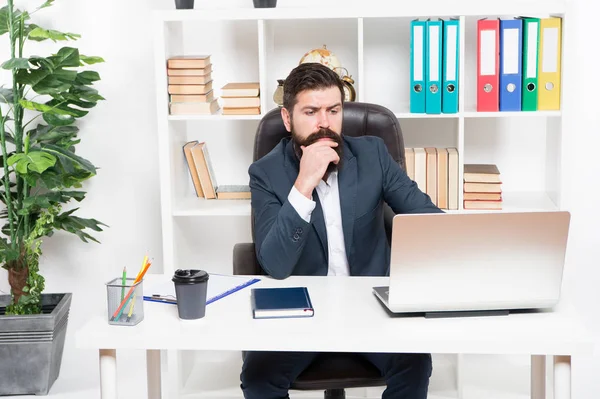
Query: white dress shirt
[(329, 196)]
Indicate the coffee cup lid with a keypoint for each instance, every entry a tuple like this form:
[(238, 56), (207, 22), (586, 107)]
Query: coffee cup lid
[(190, 276)]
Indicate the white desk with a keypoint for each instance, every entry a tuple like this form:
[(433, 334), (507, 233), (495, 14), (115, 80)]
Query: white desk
[(344, 307)]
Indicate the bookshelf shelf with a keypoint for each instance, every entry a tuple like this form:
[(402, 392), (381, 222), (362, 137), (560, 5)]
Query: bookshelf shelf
[(204, 207), (519, 114), (377, 9), (214, 117)]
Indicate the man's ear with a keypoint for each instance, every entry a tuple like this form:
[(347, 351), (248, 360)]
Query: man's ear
[(285, 115)]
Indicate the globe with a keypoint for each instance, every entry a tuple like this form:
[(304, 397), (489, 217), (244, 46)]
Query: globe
[(322, 56)]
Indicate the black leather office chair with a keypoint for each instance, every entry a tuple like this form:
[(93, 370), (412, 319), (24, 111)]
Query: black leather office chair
[(332, 372)]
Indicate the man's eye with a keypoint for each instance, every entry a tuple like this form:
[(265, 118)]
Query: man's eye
[(310, 112), (334, 111)]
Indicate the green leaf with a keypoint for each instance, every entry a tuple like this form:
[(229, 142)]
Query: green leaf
[(51, 85), (47, 3), (16, 63), (86, 93), (64, 106), (40, 34), (87, 77), (41, 107), (51, 133), (4, 18), (41, 62), (68, 160), (31, 77), (6, 252), (34, 161), (90, 60), (65, 75), (66, 57), (76, 225), (6, 95), (36, 203), (58, 119)]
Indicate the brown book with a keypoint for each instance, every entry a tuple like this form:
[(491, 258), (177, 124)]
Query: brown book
[(190, 89), (442, 178), (190, 72), (188, 61), (241, 89), (483, 196), (195, 108), (481, 173), (241, 102), (489, 205), (192, 98), (241, 111), (233, 192), (205, 171), (482, 187), (189, 80), (453, 183), (187, 151), (431, 182)]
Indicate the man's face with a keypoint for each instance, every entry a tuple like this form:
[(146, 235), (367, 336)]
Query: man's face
[(317, 115)]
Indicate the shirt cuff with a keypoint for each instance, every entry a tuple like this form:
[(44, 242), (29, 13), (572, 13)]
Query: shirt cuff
[(301, 204)]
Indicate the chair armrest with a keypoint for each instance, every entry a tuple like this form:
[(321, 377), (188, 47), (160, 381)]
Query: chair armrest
[(244, 259)]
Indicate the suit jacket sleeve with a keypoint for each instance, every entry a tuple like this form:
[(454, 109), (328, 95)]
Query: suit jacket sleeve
[(280, 232), (399, 191)]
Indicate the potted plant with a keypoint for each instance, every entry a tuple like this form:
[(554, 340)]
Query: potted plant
[(39, 173)]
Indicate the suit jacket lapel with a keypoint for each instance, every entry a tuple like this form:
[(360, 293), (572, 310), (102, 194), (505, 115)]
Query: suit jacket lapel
[(348, 177), (292, 168)]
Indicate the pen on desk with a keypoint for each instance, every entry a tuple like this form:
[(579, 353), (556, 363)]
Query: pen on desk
[(131, 309), (123, 283)]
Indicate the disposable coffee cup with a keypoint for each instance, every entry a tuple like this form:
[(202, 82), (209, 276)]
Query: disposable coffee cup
[(190, 288)]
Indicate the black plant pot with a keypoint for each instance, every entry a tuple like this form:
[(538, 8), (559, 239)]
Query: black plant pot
[(264, 3), (184, 4)]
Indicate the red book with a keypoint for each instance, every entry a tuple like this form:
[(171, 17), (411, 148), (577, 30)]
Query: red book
[(488, 63)]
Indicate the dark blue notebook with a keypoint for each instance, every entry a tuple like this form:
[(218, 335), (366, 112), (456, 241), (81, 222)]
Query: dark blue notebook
[(281, 302)]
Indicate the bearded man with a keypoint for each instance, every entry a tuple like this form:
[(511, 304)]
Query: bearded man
[(317, 200)]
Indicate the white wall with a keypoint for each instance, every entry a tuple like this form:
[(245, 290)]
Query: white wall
[(120, 138)]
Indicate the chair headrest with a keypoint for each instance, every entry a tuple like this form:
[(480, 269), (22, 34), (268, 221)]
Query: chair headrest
[(360, 119)]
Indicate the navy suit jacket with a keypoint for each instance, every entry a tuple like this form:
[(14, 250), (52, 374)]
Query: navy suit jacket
[(287, 245)]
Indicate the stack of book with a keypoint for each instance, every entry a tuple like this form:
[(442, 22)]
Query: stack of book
[(203, 175), (190, 86), (482, 187), (241, 98), (435, 170)]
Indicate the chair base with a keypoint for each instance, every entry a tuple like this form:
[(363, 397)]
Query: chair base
[(335, 394)]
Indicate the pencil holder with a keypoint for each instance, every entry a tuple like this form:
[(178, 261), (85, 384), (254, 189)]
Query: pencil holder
[(125, 302)]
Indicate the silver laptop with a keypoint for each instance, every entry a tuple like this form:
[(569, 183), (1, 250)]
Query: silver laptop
[(475, 262)]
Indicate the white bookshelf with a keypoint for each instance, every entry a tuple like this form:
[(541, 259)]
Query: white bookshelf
[(373, 43), (371, 39)]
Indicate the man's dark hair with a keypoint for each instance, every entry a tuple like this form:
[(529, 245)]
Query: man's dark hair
[(309, 76)]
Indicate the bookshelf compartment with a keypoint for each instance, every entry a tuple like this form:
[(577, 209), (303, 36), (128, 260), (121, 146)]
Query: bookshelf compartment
[(286, 42), (230, 146), (523, 150), (227, 66), (435, 132), (470, 66)]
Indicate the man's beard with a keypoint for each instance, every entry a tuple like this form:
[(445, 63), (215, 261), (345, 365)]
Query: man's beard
[(313, 138)]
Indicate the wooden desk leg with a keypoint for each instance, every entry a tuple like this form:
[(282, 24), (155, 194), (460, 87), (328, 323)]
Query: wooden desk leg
[(562, 377), (153, 373), (538, 377), (108, 373)]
